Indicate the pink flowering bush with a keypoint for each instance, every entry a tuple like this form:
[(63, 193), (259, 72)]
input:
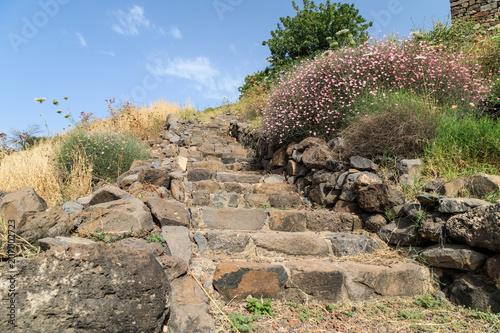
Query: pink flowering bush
[(316, 96)]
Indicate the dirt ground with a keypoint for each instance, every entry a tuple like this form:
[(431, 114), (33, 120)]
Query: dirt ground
[(416, 314)]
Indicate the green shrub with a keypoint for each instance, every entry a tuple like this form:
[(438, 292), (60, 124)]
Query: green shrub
[(458, 34), (108, 154)]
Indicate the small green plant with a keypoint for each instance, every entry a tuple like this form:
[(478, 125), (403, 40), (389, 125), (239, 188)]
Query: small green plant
[(242, 323), (330, 307), (156, 239), (488, 317), (265, 207), (422, 215), (383, 308), (390, 214), (260, 307), (101, 236), (409, 315), (429, 302), (492, 196), (292, 303), (304, 313)]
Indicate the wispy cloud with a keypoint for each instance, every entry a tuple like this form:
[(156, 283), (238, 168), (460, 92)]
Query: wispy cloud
[(176, 33), (232, 47), (204, 76), (108, 53), (83, 42), (128, 24)]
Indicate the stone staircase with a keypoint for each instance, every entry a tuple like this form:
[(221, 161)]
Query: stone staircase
[(310, 230), (244, 232)]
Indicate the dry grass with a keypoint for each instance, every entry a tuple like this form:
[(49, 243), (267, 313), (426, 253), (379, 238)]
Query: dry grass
[(37, 168), (399, 128), (143, 122), (400, 314), (17, 247)]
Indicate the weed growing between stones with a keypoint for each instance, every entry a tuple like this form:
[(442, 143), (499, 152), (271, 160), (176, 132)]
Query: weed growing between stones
[(156, 238), (98, 235), (17, 246)]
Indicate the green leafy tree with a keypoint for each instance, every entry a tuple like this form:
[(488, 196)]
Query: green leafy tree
[(315, 29)]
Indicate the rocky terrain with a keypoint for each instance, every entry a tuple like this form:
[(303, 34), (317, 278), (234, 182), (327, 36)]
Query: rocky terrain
[(238, 218)]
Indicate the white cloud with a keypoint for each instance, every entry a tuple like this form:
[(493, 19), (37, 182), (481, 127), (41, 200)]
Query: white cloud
[(232, 47), (176, 33), (128, 24), (202, 74), (83, 42), (108, 53)]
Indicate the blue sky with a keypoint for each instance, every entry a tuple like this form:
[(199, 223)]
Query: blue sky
[(143, 51)]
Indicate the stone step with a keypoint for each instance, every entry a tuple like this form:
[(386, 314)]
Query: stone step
[(203, 218), (319, 280), (224, 164), (243, 244)]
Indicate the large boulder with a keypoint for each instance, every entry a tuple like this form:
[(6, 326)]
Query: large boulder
[(478, 227), (117, 216), (86, 288), (17, 205)]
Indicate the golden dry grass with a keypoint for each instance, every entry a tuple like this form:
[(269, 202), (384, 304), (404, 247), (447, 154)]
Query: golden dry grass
[(143, 122), (37, 168)]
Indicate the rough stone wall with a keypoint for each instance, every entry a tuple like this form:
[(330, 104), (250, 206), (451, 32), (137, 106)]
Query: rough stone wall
[(486, 12)]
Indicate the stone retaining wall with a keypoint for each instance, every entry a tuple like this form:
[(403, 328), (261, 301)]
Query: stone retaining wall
[(486, 12)]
